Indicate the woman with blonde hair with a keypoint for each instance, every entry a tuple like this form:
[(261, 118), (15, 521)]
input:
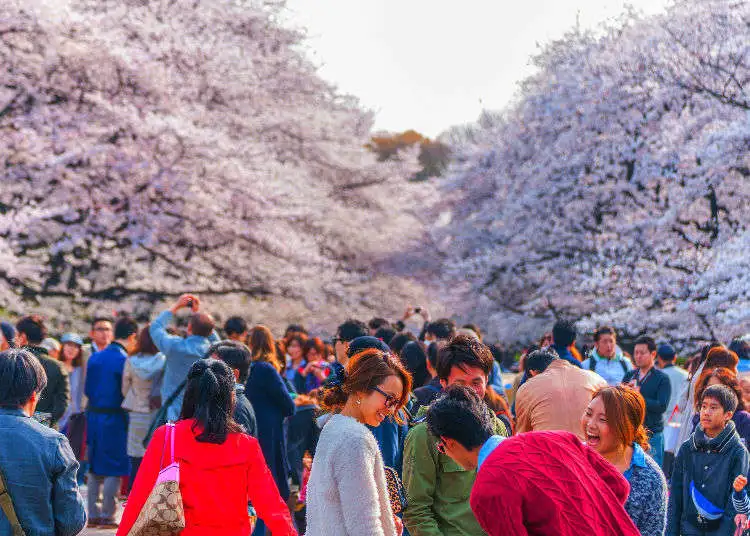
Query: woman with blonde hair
[(347, 492), (272, 403), (613, 426)]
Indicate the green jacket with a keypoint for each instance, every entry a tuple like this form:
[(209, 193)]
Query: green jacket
[(437, 488)]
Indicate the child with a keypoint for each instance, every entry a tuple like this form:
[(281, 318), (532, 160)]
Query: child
[(700, 503), (741, 503)]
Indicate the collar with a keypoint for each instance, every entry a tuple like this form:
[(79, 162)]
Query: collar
[(18, 412), (36, 350), (702, 442), (488, 448), (122, 347), (638, 460), (239, 388)]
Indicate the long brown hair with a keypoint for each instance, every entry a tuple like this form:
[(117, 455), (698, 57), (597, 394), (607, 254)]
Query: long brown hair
[(263, 347), (625, 409), (726, 377), (721, 356), (365, 371), (145, 343)]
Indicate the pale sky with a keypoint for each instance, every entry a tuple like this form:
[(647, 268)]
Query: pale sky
[(430, 64)]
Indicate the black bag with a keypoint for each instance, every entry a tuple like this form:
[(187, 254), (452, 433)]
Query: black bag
[(160, 419), (76, 434)]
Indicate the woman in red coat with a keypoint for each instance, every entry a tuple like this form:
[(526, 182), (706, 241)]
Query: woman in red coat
[(221, 468)]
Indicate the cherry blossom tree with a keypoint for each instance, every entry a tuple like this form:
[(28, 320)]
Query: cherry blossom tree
[(157, 146), (615, 188)]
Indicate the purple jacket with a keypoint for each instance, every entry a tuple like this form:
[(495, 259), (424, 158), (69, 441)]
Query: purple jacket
[(741, 422)]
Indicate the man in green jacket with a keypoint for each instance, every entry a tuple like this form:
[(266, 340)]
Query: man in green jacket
[(437, 488)]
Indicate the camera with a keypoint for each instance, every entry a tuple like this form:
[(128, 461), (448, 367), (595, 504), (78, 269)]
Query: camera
[(418, 309)]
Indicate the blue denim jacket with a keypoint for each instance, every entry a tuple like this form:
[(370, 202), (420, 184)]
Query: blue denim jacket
[(40, 471)]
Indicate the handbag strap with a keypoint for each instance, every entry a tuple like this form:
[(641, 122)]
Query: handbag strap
[(6, 503), (170, 438)]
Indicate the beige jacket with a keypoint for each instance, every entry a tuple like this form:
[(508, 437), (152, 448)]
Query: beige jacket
[(137, 390), (556, 398)]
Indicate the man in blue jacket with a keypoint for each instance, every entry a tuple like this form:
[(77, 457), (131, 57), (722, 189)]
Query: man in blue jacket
[(107, 423), (180, 352), (38, 466)]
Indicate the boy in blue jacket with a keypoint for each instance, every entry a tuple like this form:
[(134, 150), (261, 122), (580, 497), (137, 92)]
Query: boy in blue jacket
[(700, 503)]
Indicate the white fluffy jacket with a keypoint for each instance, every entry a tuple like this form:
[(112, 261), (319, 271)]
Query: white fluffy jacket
[(347, 493)]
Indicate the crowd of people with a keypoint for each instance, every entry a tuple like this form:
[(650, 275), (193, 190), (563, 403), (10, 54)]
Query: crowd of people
[(378, 431)]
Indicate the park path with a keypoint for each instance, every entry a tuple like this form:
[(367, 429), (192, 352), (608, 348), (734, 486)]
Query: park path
[(99, 532)]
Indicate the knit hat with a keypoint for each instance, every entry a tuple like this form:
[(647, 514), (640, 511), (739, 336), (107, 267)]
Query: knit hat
[(365, 343), (75, 338), (666, 351), (9, 333)]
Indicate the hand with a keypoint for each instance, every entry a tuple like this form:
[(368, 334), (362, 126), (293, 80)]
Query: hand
[(739, 483), (408, 313), (183, 302), (399, 525), (741, 521), (425, 314)]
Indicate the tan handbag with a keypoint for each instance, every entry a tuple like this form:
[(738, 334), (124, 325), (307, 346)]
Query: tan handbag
[(163, 513)]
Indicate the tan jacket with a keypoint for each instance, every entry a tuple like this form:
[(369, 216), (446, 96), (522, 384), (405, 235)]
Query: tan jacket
[(136, 390), (556, 398)]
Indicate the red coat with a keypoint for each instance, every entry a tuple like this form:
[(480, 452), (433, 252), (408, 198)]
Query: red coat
[(543, 483), (216, 482)]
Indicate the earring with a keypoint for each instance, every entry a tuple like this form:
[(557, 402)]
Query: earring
[(359, 401)]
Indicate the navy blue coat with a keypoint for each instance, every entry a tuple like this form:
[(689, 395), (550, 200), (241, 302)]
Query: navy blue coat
[(272, 403), (107, 423)]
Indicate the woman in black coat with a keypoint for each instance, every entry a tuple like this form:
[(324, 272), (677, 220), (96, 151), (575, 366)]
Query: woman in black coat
[(272, 403)]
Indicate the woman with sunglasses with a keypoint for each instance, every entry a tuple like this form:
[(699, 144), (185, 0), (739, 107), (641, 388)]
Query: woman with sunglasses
[(347, 492)]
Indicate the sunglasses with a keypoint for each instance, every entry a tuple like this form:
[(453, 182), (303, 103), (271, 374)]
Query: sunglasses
[(390, 400)]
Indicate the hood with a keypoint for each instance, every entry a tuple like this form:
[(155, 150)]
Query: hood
[(146, 367)]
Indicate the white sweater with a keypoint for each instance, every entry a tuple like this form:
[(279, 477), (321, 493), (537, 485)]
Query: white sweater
[(347, 493)]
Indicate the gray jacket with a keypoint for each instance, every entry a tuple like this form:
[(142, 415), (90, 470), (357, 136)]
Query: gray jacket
[(40, 471)]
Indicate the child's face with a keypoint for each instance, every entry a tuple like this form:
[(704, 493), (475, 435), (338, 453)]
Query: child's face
[(713, 416)]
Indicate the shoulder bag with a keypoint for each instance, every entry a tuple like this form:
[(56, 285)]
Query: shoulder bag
[(6, 503), (163, 513)]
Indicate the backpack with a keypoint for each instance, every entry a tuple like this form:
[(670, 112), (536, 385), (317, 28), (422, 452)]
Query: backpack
[(592, 365)]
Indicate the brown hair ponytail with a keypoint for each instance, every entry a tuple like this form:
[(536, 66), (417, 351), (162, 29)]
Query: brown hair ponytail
[(365, 370), (625, 409)]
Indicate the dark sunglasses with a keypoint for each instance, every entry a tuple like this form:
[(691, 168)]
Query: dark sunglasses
[(390, 400)]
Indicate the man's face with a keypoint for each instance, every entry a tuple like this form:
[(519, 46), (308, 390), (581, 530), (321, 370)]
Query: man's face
[(471, 377), (713, 417), (102, 334), (605, 346), (643, 357), (341, 347)]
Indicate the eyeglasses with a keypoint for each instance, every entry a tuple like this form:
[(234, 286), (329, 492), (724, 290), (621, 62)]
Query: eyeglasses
[(390, 400), (440, 446)]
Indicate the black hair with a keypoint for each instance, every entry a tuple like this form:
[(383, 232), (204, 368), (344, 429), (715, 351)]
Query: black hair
[(432, 355), (564, 333), (604, 330), (101, 318), (442, 328), (400, 340), (740, 347), (377, 323), (414, 359), (385, 334), (208, 400), (351, 329), (648, 341), (125, 327), (21, 375), (235, 325), (723, 395), (461, 415), (294, 328), (463, 351), (33, 327), (235, 354), (539, 360)]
